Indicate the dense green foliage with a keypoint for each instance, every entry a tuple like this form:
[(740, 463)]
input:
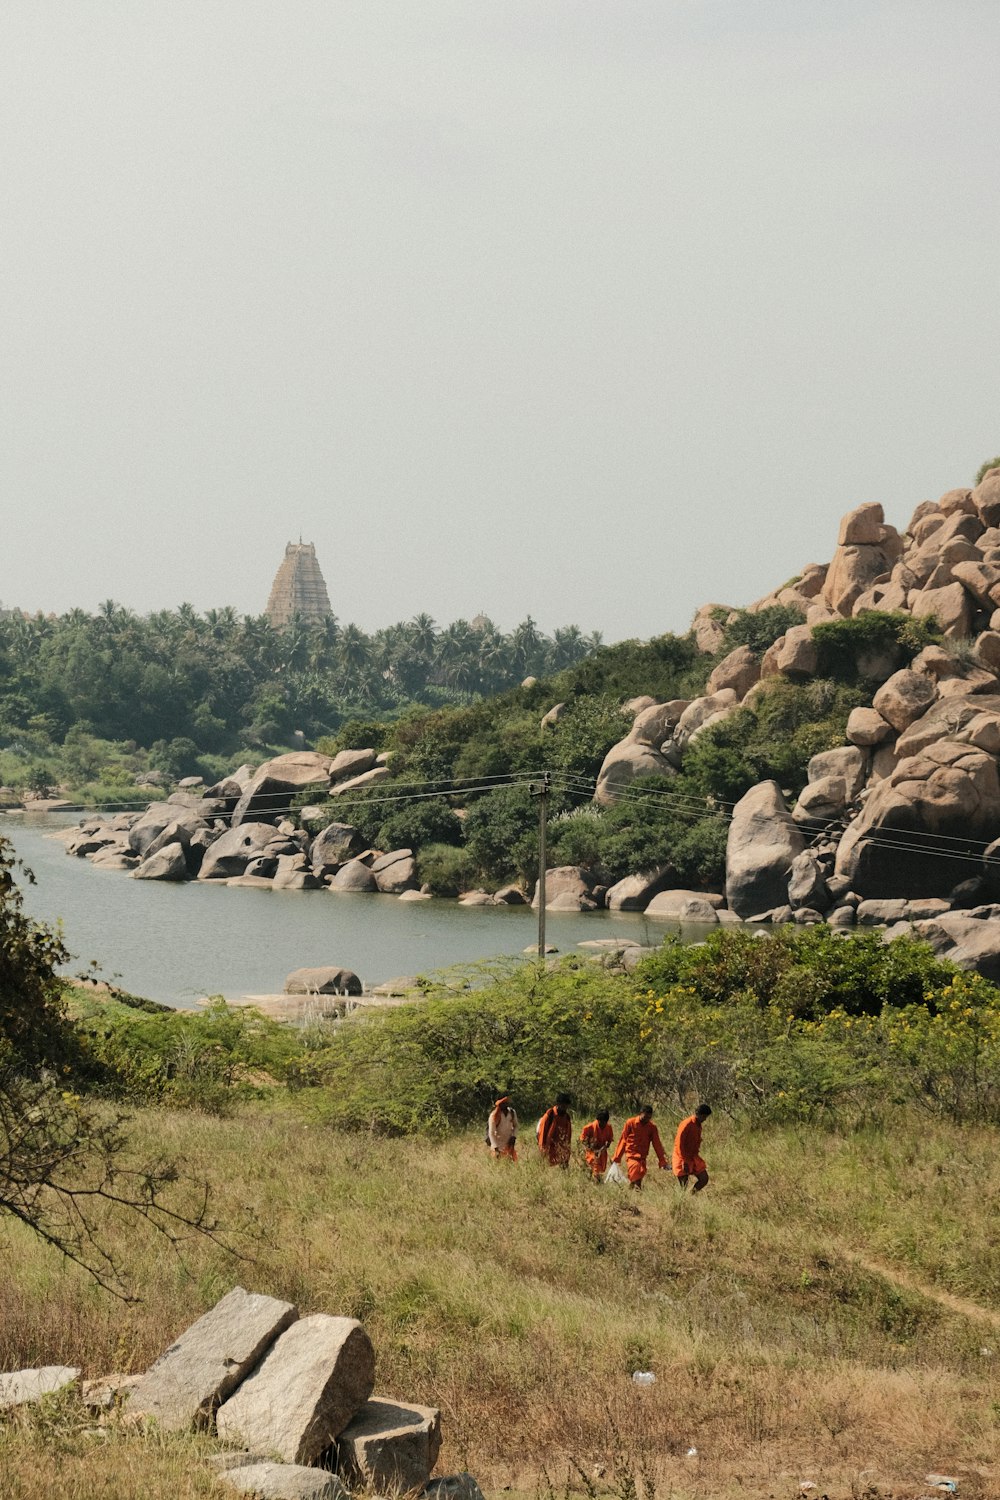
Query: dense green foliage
[(869, 647), (83, 694), (990, 463), (205, 1059), (35, 1032), (677, 822), (760, 629), (796, 1026)]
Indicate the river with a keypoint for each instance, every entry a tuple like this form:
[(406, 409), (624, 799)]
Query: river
[(179, 943)]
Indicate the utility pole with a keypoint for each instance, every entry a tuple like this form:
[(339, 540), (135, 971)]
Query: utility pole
[(542, 791)]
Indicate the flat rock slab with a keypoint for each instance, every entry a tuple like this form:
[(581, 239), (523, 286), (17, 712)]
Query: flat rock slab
[(311, 1383), (210, 1359), (390, 1447), (270, 1481), (20, 1387)]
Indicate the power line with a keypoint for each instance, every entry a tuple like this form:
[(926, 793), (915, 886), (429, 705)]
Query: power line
[(635, 792), (685, 806)]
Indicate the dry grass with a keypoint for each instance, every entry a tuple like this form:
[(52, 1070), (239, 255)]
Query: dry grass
[(521, 1299)]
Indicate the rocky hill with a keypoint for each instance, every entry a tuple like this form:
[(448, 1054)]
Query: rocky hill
[(907, 812)]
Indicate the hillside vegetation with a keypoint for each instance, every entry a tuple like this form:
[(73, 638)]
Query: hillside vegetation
[(791, 1315), (815, 1316), (92, 701)]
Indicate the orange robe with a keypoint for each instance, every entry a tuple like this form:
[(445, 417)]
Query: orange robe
[(555, 1137), (636, 1138), (596, 1139), (687, 1161)]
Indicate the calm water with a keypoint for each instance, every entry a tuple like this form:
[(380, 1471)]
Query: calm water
[(177, 943)]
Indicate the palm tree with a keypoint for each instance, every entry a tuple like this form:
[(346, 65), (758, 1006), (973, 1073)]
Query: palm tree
[(526, 643), (456, 644), (567, 646), (421, 635), (353, 651)]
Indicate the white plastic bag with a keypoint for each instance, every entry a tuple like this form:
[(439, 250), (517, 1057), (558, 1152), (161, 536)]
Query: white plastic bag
[(616, 1175)]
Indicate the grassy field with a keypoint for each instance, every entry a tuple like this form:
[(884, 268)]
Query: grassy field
[(829, 1311)]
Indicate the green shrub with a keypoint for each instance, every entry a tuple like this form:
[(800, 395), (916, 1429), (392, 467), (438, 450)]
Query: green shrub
[(991, 463), (414, 824), (659, 667), (356, 734), (444, 1061), (202, 1059), (575, 838), (774, 739), (801, 1026), (501, 834), (847, 648), (447, 870), (759, 629), (803, 972)]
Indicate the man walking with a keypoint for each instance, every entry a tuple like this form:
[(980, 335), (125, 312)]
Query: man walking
[(595, 1139), (555, 1133), (687, 1161), (638, 1134)]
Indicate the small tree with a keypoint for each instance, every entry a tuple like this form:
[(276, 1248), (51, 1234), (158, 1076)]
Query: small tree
[(65, 1161)]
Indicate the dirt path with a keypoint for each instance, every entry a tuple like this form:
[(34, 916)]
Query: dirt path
[(910, 1283)]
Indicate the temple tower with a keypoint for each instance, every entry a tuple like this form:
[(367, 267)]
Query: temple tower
[(298, 588)]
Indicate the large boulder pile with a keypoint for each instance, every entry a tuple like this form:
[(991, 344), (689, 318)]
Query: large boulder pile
[(290, 1399), (239, 832), (897, 825)]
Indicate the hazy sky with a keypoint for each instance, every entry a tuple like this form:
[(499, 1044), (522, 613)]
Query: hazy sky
[(595, 310)]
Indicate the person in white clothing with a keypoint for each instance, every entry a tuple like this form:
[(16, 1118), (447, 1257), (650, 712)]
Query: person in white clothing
[(501, 1130)]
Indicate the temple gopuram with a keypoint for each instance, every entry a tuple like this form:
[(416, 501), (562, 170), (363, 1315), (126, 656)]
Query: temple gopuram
[(298, 588)]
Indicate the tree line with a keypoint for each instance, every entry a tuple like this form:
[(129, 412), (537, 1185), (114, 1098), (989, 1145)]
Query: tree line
[(220, 681)]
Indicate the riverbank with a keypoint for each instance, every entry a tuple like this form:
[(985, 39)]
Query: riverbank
[(180, 943)]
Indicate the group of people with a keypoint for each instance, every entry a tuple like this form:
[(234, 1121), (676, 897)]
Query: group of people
[(555, 1141)]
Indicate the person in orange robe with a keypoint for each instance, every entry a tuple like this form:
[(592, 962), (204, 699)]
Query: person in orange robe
[(638, 1134), (555, 1133), (687, 1161), (595, 1139), (501, 1130)]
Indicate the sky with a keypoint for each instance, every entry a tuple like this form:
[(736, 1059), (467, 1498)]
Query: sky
[(585, 310)]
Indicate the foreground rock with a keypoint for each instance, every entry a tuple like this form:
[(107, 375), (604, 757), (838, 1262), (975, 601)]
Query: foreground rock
[(390, 1447), (395, 872), (968, 940), (452, 1487), (23, 1386), (635, 892), (168, 863), (210, 1358), (269, 794), (334, 846), (624, 763), (310, 1384), (270, 1481)]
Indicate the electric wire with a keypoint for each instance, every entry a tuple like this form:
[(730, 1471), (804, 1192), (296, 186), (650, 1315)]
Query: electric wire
[(684, 806)]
